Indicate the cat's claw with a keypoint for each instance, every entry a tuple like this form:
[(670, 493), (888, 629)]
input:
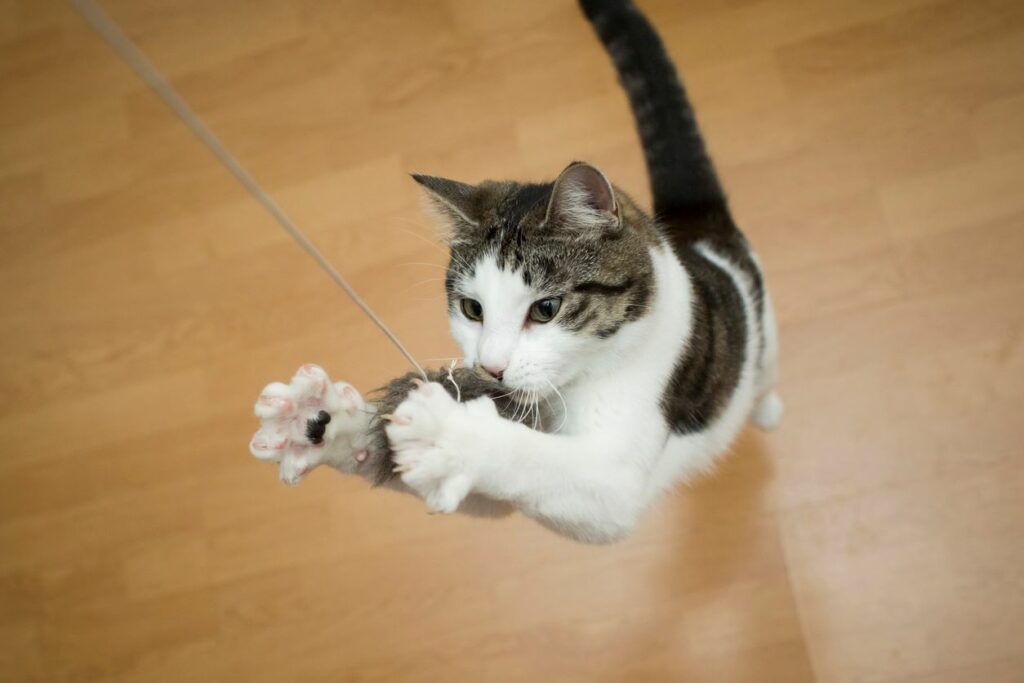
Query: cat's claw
[(309, 422)]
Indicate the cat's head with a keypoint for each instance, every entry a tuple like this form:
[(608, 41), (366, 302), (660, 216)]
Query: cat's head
[(543, 278)]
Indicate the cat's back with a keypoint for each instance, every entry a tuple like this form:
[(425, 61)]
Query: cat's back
[(718, 358)]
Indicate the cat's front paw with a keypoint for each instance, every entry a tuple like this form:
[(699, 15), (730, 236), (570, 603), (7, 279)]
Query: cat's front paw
[(434, 441), (309, 422)]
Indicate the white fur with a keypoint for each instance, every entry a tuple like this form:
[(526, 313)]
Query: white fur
[(607, 453), (615, 454), (284, 409), (534, 356)]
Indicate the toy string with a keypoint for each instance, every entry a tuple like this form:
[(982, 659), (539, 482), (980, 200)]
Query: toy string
[(134, 58)]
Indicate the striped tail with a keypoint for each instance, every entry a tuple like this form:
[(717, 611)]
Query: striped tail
[(683, 180)]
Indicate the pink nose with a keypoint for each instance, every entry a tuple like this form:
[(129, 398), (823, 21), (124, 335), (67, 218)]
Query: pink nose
[(495, 371)]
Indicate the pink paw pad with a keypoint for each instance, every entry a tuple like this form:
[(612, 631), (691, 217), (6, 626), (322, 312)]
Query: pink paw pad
[(290, 412), (268, 444), (275, 401), (283, 405), (315, 380)]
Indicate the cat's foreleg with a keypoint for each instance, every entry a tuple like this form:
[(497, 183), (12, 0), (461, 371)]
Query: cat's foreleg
[(312, 421), (587, 487)]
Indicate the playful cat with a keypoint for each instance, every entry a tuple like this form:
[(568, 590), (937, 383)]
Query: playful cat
[(609, 354)]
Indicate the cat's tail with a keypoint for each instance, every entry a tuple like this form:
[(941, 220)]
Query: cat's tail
[(683, 179)]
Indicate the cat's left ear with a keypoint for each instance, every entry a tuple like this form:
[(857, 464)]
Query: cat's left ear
[(458, 202), (582, 198)]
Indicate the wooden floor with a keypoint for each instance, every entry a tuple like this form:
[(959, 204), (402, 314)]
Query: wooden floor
[(874, 151)]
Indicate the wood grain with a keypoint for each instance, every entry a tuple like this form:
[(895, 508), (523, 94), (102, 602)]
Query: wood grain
[(874, 152)]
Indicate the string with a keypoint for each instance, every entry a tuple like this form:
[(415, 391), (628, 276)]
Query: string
[(134, 58)]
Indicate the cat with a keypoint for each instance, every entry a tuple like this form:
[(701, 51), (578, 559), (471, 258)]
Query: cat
[(609, 354)]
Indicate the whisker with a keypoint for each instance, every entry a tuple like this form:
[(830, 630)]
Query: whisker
[(423, 263), (521, 411), (495, 398), (519, 407), (424, 238), (550, 410), (565, 407), (437, 244), (460, 260), (420, 283)]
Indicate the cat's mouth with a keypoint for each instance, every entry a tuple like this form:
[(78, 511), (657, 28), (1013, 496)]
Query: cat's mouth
[(527, 390)]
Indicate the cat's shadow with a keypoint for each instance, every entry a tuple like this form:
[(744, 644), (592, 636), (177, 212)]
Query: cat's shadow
[(727, 542)]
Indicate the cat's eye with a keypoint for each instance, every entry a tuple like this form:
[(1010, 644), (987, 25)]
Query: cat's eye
[(544, 310), (472, 309)]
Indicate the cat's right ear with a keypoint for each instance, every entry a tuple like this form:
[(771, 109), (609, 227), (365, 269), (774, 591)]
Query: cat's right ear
[(458, 202)]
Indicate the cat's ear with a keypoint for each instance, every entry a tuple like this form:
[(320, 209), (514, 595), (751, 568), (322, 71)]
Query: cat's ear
[(583, 198), (458, 202)]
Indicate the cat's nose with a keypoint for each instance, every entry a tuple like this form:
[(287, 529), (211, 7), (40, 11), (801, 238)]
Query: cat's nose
[(495, 371)]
